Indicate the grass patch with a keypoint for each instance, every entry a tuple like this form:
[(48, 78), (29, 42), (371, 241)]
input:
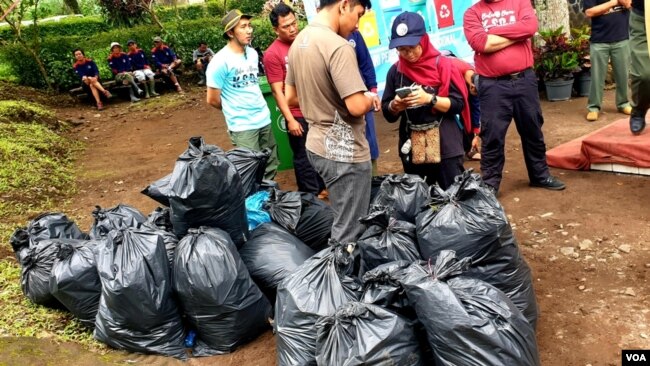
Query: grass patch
[(20, 317), (36, 175), (35, 167)]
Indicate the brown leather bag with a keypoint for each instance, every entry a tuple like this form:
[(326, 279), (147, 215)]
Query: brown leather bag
[(425, 144)]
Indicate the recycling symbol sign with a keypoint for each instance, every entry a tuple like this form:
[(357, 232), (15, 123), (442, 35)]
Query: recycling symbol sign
[(444, 11)]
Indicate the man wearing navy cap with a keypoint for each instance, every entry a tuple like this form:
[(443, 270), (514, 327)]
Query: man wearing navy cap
[(499, 31), (234, 88)]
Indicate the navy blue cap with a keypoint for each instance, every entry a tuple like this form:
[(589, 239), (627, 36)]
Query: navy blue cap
[(407, 30)]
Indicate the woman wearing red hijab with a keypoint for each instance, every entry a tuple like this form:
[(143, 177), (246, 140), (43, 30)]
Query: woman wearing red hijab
[(439, 95)]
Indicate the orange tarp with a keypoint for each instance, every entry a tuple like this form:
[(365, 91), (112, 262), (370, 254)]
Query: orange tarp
[(612, 144)]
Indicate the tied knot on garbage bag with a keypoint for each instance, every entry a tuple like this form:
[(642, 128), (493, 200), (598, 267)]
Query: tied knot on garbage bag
[(447, 266), (404, 193), (386, 239), (383, 286), (115, 218), (365, 334), (285, 208)]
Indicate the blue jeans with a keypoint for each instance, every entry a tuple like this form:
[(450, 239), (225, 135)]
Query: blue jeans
[(348, 185)]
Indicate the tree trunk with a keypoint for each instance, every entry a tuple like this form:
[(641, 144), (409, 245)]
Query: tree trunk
[(73, 5), (15, 28), (553, 14)]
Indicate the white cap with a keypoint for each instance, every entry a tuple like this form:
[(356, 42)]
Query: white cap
[(113, 44)]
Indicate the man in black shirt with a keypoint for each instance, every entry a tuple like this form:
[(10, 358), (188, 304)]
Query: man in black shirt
[(609, 40)]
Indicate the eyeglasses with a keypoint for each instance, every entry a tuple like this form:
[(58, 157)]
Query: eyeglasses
[(407, 49)]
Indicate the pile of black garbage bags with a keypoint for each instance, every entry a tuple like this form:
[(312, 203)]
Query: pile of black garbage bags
[(436, 278)]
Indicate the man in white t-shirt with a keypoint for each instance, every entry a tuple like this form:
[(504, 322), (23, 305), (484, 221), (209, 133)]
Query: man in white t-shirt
[(233, 88)]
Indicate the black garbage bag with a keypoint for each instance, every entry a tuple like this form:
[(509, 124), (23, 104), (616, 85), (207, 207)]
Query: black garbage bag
[(159, 190), (136, 310), (19, 241), (169, 239), (251, 165), (271, 254), (285, 208), (315, 289), (468, 219), (206, 190), (365, 334), (36, 269), (468, 322), (119, 217), (316, 220), (269, 185), (386, 239), (218, 296), (54, 225), (375, 185), (161, 218), (405, 194), (382, 286), (74, 280)]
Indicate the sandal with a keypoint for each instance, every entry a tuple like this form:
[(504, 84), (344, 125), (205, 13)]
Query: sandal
[(107, 94), (473, 155)]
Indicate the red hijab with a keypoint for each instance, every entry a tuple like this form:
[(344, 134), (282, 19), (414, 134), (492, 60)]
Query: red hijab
[(427, 71)]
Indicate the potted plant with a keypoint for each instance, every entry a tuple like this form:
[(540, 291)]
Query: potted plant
[(580, 44), (555, 63)]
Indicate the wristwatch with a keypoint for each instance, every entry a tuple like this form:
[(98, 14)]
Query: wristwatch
[(433, 101)]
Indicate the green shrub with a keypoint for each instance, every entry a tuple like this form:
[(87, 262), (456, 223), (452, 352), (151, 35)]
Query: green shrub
[(215, 8), (188, 12), (73, 26), (247, 6), (182, 36)]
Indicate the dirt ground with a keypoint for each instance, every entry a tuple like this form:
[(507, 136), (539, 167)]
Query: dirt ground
[(593, 303)]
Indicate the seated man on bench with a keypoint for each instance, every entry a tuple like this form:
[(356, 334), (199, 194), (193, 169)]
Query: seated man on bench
[(119, 63), (141, 69), (166, 61)]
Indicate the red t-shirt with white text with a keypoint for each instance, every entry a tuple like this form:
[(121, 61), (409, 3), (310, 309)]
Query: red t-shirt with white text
[(512, 19)]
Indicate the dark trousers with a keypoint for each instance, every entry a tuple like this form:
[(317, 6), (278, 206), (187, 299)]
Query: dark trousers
[(442, 173), (307, 178), (502, 101)]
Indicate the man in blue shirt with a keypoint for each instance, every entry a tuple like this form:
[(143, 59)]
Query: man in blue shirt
[(233, 88), (166, 61), (367, 69)]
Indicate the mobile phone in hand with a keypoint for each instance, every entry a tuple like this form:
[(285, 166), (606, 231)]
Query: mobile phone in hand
[(404, 91)]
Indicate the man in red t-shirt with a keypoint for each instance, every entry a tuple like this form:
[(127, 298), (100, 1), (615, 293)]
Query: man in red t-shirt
[(275, 61), (499, 31)]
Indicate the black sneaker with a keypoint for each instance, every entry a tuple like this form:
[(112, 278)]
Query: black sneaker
[(637, 124), (551, 183)]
